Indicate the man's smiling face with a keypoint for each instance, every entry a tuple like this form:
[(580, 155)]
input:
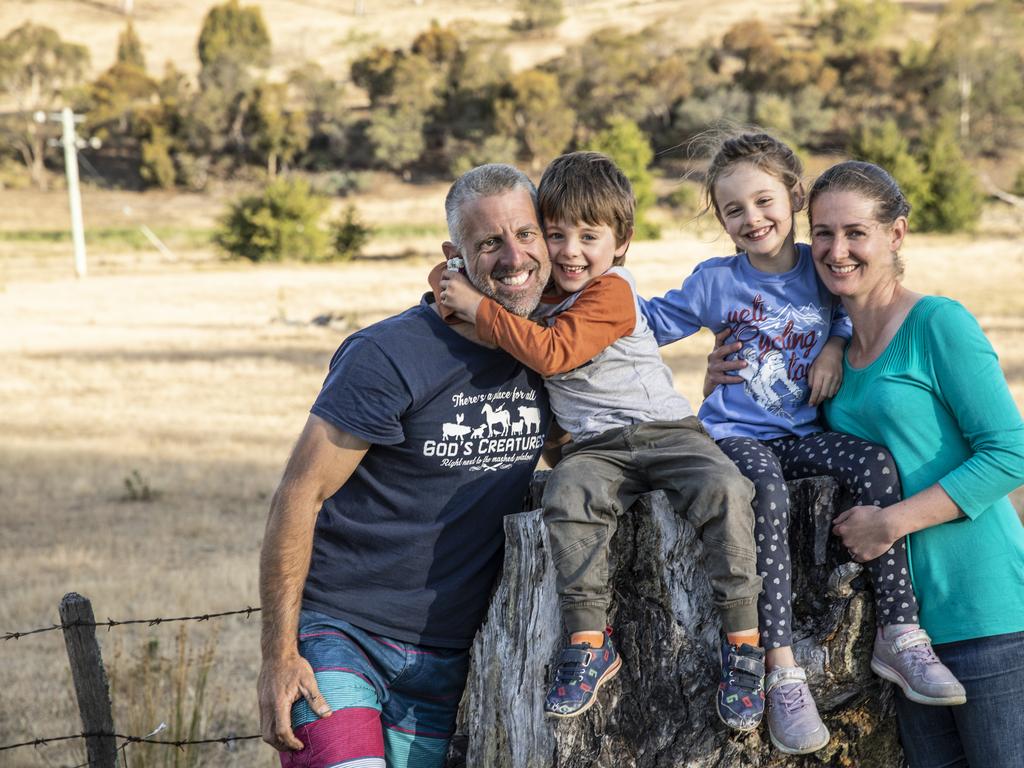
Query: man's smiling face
[(506, 256)]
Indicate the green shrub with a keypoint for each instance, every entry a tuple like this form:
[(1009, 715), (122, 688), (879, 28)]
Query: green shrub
[(538, 15), (939, 184), (884, 144), (955, 199), (342, 183), (157, 167), (280, 223), (349, 235), (630, 149)]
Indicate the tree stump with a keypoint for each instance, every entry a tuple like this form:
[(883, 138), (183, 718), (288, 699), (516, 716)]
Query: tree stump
[(659, 710)]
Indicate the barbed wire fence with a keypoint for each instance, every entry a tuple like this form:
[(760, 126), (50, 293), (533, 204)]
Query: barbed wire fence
[(110, 623), (79, 625)]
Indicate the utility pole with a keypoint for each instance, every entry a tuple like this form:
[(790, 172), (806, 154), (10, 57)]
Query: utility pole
[(70, 141), (67, 121)]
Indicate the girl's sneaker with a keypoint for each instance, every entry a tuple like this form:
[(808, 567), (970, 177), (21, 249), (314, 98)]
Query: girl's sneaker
[(910, 661), (580, 672), (740, 697), (794, 724)]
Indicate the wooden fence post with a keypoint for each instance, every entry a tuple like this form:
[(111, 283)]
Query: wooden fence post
[(90, 678)]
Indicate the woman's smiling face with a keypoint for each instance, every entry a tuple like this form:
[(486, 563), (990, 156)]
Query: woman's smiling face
[(853, 252)]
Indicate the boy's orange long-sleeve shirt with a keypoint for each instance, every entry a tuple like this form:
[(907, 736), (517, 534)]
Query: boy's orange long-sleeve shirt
[(604, 311), (600, 314), (598, 356)]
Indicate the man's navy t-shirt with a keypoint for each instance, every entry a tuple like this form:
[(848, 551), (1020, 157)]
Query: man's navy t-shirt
[(409, 547)]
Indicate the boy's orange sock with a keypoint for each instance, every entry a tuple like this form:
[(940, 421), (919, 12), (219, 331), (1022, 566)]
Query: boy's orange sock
[(596, 639), (749, 636)]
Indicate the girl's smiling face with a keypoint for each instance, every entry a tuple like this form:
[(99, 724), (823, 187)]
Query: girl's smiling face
[(756, 210)]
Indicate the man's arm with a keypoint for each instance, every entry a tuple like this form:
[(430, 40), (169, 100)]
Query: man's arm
[(321, 462)]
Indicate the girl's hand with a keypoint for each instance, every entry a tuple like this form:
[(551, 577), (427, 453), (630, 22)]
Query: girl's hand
[(719, 368), (459, 295), (865, 531), (826, 372)]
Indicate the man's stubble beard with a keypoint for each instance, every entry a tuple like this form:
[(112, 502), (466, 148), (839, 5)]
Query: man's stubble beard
[(515, 306)]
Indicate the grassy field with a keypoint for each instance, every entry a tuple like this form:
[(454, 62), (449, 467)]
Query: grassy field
[(148, 409)]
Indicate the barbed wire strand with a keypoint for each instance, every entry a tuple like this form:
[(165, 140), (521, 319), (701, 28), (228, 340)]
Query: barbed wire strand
[(123, 749), (128, 739), (111, 623)]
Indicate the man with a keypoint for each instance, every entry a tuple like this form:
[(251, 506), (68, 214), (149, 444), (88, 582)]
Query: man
[(385, 534)]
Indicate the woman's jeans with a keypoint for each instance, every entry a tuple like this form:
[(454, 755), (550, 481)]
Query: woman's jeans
[(987, 731)]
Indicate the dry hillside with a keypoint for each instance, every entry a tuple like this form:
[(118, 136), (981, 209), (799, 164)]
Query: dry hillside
[(331, 33)]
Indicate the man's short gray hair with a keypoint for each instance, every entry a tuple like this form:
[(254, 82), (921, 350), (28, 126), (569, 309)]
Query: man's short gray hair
[(483, 181)]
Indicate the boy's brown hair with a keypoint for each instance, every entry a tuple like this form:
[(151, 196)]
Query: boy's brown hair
[(588, 188)]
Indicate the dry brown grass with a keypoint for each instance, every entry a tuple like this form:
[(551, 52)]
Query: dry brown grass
[(197, 375)]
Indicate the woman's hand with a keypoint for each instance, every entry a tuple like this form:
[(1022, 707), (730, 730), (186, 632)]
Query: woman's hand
[(459, 295), (826, 372), (719, 369), (866, 531)]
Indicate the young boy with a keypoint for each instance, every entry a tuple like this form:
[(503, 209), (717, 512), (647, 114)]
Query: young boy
[(631, 431)]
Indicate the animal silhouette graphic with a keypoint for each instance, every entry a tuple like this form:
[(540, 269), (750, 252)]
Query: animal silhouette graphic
[(456, 430), (497, 416), (530, 418)]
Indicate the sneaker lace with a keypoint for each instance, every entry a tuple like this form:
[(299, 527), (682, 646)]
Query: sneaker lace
[(792, 698), (921, 655)]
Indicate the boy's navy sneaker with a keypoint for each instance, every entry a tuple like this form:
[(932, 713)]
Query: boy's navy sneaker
[(740, 697), (580, 672)]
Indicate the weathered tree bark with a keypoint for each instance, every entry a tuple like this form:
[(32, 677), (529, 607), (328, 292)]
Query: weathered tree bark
[(659, 710)]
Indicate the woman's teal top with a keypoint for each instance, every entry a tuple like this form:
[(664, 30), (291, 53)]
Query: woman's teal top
[(937, 398)]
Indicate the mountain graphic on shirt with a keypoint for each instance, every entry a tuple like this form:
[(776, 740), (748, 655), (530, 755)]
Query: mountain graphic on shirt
[(802, 318)]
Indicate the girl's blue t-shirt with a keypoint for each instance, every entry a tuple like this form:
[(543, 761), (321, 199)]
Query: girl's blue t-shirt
[(411, 544), (783, 321)]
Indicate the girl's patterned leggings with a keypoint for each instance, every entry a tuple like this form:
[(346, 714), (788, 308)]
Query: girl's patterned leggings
[(865, 470)]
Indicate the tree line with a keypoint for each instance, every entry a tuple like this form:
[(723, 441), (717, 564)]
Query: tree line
[(840, 79)]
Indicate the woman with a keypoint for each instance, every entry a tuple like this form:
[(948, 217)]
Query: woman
[(920, 377)]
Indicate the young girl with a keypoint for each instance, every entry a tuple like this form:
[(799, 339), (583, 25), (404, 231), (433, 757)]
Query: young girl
[(790, 332)]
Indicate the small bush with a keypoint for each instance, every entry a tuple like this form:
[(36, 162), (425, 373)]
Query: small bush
[(630, 149), (157, 167), (885, 144), (342, 183), (280, 223), (939, 184), (538, 15), (349, 235), (137, 488), (955, 196)]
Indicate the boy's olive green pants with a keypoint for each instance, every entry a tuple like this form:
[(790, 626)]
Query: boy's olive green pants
[(601, 477)]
